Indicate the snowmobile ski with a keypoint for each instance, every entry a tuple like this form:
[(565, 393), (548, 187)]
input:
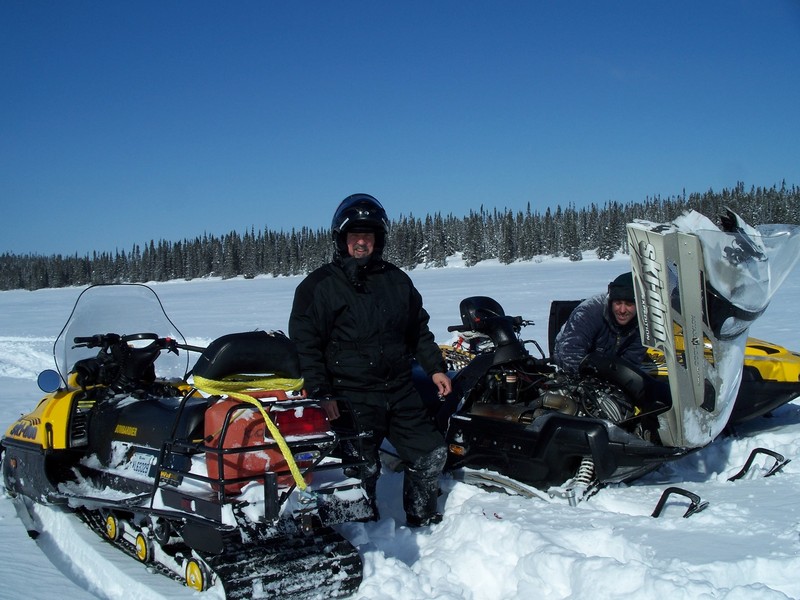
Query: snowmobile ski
[(696, 504), (780, 462)]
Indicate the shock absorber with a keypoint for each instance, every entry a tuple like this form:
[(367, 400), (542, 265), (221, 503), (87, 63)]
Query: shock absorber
[(510, 386), (579, 485), (585, 473)]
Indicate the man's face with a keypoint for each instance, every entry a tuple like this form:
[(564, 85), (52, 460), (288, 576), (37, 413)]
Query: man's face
[(624, 311), (360, 245)]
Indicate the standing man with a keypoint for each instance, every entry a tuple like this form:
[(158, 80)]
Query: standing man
[(358, 322), (606, 324)]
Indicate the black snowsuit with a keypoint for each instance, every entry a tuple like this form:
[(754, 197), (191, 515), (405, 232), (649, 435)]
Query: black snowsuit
[(592, 328), (357, 329)]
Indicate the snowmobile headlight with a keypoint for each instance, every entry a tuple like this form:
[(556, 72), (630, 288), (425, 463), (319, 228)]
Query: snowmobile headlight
[(727, 320)]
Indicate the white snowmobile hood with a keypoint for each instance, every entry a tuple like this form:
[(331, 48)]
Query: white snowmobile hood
[(708, 284)]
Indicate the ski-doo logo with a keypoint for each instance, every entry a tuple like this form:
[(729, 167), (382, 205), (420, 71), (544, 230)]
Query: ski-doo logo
[(25, 430), (654, 306), (128, 430)]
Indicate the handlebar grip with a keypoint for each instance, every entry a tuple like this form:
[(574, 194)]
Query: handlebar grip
[(97, 340), (455, 328), (191, 348), (92, 341)]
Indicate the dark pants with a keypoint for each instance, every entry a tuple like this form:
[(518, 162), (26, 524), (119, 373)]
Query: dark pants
[(400, 417)]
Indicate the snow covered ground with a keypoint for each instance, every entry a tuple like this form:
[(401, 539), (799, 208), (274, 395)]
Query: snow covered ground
[(746, 545)]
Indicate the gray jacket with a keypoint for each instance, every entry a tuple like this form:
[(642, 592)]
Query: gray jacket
[(592, 328)]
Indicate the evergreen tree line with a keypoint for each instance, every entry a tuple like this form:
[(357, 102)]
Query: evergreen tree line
[(504, 235)]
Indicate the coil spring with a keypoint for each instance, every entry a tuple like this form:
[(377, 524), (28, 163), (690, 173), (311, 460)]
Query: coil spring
[(585, 473)]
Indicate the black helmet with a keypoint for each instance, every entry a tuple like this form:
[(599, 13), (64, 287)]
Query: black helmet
[(359, 212)]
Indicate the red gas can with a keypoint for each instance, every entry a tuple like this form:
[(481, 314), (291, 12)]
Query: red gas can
[(246, 431)]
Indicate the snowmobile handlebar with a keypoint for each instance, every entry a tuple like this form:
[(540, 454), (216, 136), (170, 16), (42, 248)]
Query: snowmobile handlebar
[(96, 341), (107, 340), (123, 361), (485, 324)]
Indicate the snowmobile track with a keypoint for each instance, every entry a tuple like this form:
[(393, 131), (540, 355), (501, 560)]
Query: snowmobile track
[(94, 520), (290, 567), (324, 565)]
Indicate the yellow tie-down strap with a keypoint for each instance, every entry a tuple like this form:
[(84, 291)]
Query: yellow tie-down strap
[(237, 386)]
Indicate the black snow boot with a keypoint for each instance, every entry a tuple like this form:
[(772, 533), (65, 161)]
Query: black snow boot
[(421, 488), (370, 482)]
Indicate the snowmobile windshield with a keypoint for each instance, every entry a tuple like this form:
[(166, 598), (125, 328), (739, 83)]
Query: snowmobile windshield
[(744, 267), (124, 309)]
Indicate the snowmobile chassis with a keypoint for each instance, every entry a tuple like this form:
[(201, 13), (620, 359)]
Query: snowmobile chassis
[(186, 539), (515, 418)]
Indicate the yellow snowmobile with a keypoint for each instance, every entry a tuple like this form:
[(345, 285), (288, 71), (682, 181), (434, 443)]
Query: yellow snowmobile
[(228, 476)]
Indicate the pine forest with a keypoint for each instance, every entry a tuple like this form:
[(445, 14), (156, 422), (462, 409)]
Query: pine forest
[(413, 241)]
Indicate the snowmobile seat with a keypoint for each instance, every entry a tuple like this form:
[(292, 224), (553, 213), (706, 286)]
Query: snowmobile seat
[(148, 422), (252, 353), (191, 418), (560, 310)]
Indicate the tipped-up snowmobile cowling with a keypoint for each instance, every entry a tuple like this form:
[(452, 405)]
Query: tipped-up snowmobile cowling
[(707, 285)]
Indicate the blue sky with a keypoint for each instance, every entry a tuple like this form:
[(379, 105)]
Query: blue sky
[(122, 122)]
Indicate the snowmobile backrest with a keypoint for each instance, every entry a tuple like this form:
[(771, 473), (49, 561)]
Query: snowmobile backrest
[(560, 310), (252, 353), (477, 310), (485, 315)]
